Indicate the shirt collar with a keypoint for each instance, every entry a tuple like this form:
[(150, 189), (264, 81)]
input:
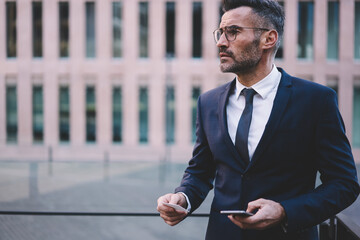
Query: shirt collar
[(265, 86)]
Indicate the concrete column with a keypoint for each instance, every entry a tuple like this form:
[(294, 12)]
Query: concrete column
[(130, 117), (290, 35), (24, 90), (131, 30), (346, 51), (320, 40), (182, 111), (157, 27), (210, 23), (183, 29)]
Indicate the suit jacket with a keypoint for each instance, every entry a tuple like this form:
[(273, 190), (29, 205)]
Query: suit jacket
[(304, 135)]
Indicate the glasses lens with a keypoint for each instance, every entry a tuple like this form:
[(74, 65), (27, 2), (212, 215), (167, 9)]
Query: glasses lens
[(217, 34)]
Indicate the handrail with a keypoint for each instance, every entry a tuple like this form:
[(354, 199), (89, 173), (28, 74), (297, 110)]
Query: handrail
[(349, 225), (95, 214)]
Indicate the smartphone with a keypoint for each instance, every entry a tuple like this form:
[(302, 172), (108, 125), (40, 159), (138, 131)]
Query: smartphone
[(237, 212)]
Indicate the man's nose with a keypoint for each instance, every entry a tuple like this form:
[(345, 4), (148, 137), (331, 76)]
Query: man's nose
[(223, 42)]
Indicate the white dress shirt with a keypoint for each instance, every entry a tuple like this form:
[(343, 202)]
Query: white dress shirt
[(262, 105)]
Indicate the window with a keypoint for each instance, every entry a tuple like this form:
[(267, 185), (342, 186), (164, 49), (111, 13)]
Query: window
[(197, 30), (64, 114), (357, 31), (170, 29), (280, 51), (11, 29), (356, 116), (64, 29), (170, 114), (38, 114), (117, 115), (117, 29), (144, 29), (195, 95), (143, 115), (305, 30), (11, 114), (90, 30), (90, 114), (37, 29), (333, 31)]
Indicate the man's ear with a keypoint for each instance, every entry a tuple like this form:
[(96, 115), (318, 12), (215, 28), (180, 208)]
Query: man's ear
[(269, 39)]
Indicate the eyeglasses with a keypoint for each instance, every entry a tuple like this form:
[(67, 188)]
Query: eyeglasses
[(232, 31)]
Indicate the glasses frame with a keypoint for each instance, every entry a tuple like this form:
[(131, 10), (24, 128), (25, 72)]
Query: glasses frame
[(238, 30)]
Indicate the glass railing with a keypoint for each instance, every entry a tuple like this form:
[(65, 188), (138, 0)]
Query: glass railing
[(109, 200)]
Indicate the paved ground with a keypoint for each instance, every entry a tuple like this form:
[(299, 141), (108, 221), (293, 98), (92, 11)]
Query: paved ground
[(94, 187)]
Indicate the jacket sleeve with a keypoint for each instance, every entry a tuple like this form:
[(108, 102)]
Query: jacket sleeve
[(199, 175), (335, 163)]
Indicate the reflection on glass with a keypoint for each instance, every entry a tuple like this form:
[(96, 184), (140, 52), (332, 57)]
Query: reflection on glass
[(305, 30), (357, 31), (117, 29), (64, 114), (11, 29), (144, 29), (333, 31), (64, 29), (117, 115), (90, 114), (170, 114), (143, 115), (356, 117), (38, 114), (197, 30), (90, 30), (195, 95), (11, 114), (170, 29), (37, 28), (280, 51)]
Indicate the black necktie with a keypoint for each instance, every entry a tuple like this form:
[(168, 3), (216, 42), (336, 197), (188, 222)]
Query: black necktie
[(242, 133)]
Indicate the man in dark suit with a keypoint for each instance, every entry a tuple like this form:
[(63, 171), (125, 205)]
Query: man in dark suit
[(263, 137)]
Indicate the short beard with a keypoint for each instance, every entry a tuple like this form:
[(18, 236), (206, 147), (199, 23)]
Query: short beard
[(249, 59)]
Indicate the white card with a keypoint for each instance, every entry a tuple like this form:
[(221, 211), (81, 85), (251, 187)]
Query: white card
[(176, 207)]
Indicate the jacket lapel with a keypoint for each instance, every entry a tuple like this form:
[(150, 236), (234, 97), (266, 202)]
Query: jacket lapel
[(223, 100), (280, 103)]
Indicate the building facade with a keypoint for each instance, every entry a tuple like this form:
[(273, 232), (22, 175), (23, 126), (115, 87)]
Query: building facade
[(119, 80)]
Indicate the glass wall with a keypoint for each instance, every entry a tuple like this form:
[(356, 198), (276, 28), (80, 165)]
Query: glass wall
[(356, 116), (333, 31), (170, 29), (143, 115), (37, 29), (117, 115), (305, 30), (170, 114), (195, 95), (64, 114), (90, 114), (117, 29), (11, 114), (144, 29), (357, 31), (64, 29), (90, 30), (38, 114), (197, 30), (11, 29)]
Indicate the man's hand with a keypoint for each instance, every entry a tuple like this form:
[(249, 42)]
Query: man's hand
[(269, 213), (169, 214)]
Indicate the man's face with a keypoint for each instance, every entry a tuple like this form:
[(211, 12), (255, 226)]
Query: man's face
[(242, 54)]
